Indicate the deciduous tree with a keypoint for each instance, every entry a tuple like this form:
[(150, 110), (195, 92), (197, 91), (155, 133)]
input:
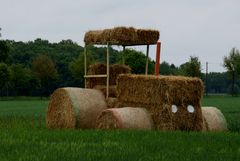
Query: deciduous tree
[(45, 69), (4, 76), (232, 64), (77, 68), (192, 68), (167, 69), (137, 62), (4, 51), (22, 80)]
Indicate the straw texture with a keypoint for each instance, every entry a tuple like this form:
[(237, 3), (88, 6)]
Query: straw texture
[(125, 118), (215, 120), (159, 94), (74, 108), (122, 36), (114, 71)]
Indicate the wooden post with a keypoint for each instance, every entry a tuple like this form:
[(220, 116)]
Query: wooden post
[(107, 91), (206, 79), (85, 65), (147, 53), (158, 50), (123, 56)]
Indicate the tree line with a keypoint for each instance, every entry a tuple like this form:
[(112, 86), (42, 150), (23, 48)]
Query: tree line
[(38, 67)]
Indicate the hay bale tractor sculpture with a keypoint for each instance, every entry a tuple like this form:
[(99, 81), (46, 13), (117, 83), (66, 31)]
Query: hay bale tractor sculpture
[(115, 99)]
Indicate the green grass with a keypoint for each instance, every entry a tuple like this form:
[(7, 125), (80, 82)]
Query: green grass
[(26, 108), (23, 136), (42, 144)]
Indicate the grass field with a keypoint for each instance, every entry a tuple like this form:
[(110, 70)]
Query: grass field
[(23, 136)]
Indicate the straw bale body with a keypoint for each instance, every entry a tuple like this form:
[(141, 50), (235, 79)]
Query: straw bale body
[(215, 120), (74, 108), (159, 95), (122, 36), (125, 118)]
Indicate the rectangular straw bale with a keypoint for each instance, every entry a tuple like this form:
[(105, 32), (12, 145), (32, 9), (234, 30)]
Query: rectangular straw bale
[(147, 36), (103, 89), (114, 71), (112, 102), (96, 69), (122, 36), (117, 69), (93, 36), (159, 94)]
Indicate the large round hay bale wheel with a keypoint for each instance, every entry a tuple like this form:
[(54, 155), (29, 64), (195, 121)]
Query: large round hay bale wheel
[(125, 118), (74, 108), (214, 120)]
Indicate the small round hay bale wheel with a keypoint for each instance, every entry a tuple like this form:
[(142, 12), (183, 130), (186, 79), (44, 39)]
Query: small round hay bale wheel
[(125, 118), (214, 120)]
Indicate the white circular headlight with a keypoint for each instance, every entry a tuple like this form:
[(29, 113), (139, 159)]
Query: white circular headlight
[(190, 108), (174, 108)]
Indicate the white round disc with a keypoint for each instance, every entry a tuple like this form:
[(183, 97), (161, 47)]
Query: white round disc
[(190, 108), (174, 108)]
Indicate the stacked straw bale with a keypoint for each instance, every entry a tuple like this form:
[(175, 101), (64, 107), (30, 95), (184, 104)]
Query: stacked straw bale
[(103, 89), (112, 102), (96, 69), (122, 36), (74, 108), (125, 118), (114, 71), (159, 94), (214, 120)]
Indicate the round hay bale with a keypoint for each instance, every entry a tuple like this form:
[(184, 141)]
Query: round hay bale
[(125, 118), (215, 120), (205, 125), (74, 108)]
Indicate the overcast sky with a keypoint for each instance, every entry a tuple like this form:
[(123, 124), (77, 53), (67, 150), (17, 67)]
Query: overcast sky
[(204, 28)]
